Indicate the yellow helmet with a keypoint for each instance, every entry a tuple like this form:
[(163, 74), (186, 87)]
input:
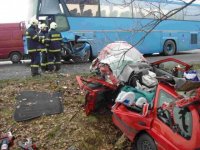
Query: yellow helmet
[(53, 25), (43, 26), (34, 21)]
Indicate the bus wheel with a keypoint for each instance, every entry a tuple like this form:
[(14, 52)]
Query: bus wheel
[(145, 142), (169, 48), (15, 57)]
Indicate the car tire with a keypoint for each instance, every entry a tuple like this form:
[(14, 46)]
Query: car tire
[(65, 53), (66, 58), (15, 57), (145, 142), (169, 48)]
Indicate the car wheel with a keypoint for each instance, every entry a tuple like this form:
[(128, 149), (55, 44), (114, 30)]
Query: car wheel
[(66, 58), (15, 57), (169, 48), (145, 142), (65, 53)]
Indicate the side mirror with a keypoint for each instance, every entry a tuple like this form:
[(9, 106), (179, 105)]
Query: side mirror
[(145, 109), (23, 27)]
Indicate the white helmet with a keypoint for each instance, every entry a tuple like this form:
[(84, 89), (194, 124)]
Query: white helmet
[(34, 21), (43, 26), (53, 25)]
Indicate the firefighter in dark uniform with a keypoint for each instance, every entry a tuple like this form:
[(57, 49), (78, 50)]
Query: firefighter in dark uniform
[(42, 46), (54, 50), (32, 44)]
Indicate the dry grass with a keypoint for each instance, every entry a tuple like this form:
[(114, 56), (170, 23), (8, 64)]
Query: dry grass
[(71, 128)]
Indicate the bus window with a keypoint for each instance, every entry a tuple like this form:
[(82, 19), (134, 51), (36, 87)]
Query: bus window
[(123, 11), (166, 8), (61, 23), (115, 9), (155, 10), (192, 13), (143, 9), (105, 10), (83, 8), (50, 7), (194, 38)]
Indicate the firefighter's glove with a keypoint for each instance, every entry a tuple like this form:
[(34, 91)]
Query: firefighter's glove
[(41, 39)]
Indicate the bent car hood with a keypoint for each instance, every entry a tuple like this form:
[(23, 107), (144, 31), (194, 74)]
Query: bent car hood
[(122, 58)]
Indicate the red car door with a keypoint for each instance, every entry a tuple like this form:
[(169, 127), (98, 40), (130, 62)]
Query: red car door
[(130, 121), (183, 137)]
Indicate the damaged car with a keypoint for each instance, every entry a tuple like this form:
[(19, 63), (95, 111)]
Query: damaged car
[(156, 105)]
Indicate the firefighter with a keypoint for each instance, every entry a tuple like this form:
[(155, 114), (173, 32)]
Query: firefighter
[(32, 44), (42, 46), (54, 49)]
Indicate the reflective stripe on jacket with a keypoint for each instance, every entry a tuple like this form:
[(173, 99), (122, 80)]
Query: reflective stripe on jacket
[(32, 39), (55, 40), (42, 43)]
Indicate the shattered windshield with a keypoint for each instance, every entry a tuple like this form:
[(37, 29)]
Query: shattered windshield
[(183, 118)]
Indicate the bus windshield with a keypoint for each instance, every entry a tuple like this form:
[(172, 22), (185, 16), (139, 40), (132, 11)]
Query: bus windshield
[(52, 11)]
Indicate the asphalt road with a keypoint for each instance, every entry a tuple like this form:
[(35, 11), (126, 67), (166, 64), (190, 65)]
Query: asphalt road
[(186, 56), (9, 70)]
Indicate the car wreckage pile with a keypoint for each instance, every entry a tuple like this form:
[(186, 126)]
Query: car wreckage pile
[(152, 103)]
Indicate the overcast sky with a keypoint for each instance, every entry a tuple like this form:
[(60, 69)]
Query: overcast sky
[(13, 10), (17, 10)]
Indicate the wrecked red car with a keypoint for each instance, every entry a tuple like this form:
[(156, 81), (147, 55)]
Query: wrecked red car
[(156, 105), (157, 126)]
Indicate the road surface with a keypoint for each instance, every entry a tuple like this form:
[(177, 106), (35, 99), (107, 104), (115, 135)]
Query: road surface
[(9, 70)]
